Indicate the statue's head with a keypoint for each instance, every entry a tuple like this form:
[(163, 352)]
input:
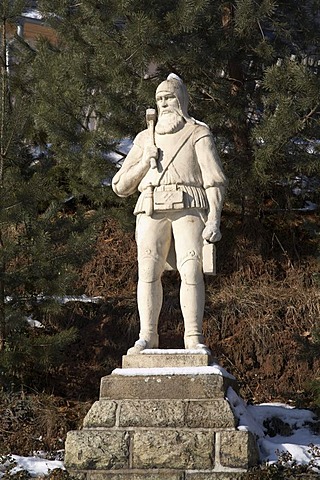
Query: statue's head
[(172, 100), (175, 86)]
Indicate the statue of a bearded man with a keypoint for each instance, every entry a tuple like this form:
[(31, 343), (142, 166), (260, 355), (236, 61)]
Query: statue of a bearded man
[(182, 186)]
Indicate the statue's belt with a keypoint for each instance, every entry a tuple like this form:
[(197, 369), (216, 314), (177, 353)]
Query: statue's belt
[(169, 197)]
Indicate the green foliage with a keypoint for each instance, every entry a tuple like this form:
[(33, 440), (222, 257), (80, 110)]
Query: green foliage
[(246, 65), (288, 130), (48, 214), (28, 354)]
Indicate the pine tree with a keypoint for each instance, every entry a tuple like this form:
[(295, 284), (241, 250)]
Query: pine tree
[(241, 61), (77, 111), (45, 233)]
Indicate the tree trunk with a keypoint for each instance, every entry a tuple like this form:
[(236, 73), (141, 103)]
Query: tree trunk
[(239, 129)]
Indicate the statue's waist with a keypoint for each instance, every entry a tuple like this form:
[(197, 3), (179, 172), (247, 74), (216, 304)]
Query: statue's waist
[(170, 188), (172, 197)]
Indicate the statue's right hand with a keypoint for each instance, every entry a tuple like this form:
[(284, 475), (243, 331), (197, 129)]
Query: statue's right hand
[(150, 155)]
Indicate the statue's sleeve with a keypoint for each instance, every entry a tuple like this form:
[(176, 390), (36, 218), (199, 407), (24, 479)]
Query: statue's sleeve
[(126, 180), (208, 158)]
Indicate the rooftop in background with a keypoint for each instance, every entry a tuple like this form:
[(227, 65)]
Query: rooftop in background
[(31, 26)]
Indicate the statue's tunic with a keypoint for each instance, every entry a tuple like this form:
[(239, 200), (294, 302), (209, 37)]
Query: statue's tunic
[(188, 160)]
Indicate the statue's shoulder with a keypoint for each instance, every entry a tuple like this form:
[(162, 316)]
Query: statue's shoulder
[(201, 130), (140, 139)]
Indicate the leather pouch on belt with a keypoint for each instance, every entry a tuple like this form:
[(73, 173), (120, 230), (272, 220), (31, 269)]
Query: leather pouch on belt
[(168, 200)]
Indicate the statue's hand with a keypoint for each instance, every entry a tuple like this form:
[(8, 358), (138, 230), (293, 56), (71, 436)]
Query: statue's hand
[(150, 156), (211, 232)]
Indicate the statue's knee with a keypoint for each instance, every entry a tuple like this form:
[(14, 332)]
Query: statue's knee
[(191, 270), (150, 267)]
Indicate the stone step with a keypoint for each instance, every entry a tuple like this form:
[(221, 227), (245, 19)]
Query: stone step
[(159, 358), (160, 383), (154, 475), (160, 448), (176, 413)]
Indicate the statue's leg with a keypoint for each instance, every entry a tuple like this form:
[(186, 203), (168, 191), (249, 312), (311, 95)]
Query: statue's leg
[(187, 232), (153, 235)]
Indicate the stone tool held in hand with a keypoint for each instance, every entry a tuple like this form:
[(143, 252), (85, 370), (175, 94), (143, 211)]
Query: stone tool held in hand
[(151, 116)]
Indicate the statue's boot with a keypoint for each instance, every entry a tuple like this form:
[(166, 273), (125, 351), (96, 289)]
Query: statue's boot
[(149, 305), (192, 299)]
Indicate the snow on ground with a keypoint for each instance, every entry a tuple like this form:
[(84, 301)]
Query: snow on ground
[(33, 13), (296, 445), (35, 465)]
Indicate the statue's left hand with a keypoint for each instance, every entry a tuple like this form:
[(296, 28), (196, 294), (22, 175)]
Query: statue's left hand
[(211, 232)]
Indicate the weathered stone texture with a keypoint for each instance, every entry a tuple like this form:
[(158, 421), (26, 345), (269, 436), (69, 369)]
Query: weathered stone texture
[(77, 474), (212, 476), (160, 413), (153, 360), (151, 413), (164, 386), (209, 414), (102, 413), (136, 475), (161, 427), (175, 449), (155, 474), (97, 449), (238, 449)]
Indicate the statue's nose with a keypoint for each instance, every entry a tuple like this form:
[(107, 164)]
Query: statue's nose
[(164, 102)]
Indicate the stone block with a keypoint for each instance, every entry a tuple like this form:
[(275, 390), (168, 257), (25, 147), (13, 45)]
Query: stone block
[(151, 413), (136, 475), (176, 449), (209, 414), (212, 475), (97, 449), (164, 386), (180, 358), (102, 413), (238, 449), (172, 413), (78, 474), (154, 474)]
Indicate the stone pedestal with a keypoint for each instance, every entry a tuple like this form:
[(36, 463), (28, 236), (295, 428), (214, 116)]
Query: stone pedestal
[(159, 421)]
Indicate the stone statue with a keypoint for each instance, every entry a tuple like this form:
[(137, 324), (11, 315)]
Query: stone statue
[(176, 167)]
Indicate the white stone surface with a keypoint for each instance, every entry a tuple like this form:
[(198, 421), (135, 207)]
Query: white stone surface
[(176, 167)]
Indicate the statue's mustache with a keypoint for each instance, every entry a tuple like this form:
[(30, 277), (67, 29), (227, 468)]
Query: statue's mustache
[(171, 111)]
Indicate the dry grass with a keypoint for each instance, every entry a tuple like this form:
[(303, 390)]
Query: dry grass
[(29, 423)]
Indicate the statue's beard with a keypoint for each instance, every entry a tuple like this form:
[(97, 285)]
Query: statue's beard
[(169, 122)]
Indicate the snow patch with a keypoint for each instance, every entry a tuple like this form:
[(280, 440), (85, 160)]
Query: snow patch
[(35, 14), (36, 466), (170, 371), (298, 446)]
